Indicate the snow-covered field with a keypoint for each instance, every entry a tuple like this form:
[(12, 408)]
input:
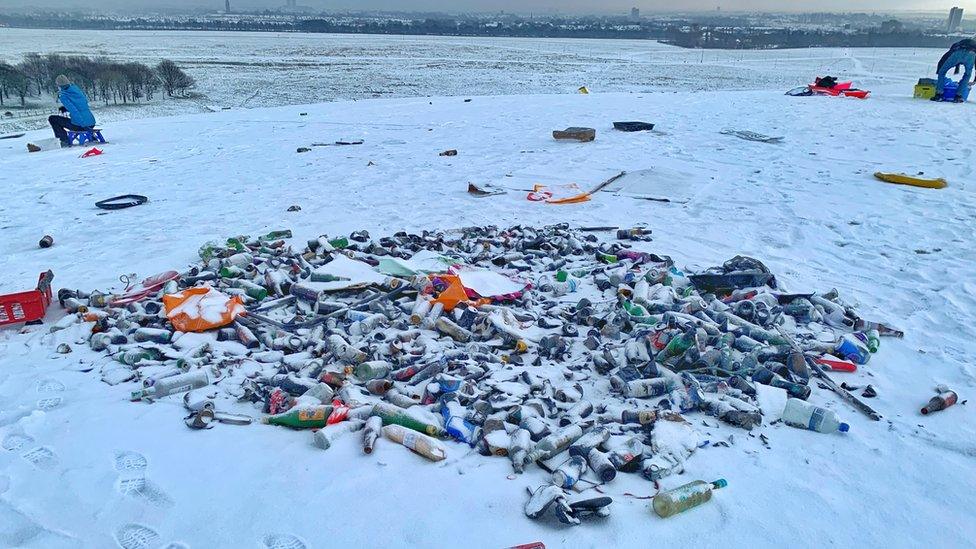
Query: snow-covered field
[(236, 69), (808, 208)]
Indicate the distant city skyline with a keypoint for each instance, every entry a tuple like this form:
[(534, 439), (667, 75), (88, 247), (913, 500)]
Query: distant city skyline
[(646, 7)]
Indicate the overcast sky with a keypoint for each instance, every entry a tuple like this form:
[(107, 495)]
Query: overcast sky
[(525, 6)]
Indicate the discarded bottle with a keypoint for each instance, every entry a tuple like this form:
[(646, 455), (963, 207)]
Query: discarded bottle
[(682, 498), (46, 242), (518, 449), (624, 458), (601, 465), (650, 388), (304, 417), (421, 444), (275, 235), (591, 439), (343, 350), (371, 369), (767, 377), (804, 415), (570, 472), (379, 386), (392, 415), (135, 356), (941, 401), (371, 432), (174, 384), (555, 443), (853, 349)]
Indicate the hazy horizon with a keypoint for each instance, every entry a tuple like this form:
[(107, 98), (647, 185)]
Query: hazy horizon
[(514, 6)]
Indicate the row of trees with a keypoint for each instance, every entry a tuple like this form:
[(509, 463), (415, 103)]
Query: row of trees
[(101, 79)]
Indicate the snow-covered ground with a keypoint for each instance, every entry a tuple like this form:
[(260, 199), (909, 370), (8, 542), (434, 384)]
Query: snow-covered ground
[(809, 208), (237, 69)]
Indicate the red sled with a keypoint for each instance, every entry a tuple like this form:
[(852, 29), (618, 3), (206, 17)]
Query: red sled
[(27, 306), (840, 89)]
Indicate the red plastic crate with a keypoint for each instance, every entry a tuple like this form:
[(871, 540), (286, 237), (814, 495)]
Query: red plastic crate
[(27, 306)]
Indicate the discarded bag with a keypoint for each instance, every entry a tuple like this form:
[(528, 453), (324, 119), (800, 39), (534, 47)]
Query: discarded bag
[(201, 309)]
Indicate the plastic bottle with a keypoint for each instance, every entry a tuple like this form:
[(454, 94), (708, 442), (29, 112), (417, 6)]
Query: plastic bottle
[(804, 415), (420, 444), (569, 473), (767, 377), (175, 384), (941, 401), (682, 498), (853, 349), (555, 443), (302, 417), (392, 415)]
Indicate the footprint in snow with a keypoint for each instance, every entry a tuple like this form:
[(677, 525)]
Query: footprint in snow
[(176, 545), (136, 536), (50, 386), (41, 457), (16, 441), (283, 541), (47, 404), (127, 461), (145, 490)]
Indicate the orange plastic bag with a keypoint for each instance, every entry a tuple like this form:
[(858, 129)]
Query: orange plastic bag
[(455, 293), (201, 309)]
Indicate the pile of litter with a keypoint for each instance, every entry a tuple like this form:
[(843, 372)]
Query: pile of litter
[(551, 346)]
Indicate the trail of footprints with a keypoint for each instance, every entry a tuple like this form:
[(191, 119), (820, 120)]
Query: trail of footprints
[(132, 481)]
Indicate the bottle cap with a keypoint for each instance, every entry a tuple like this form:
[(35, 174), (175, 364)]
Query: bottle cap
[(720, 483), (844, 427)]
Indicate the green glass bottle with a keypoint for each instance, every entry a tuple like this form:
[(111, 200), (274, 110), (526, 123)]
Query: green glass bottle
[(231, 271), (304, 417), (276, 235), (135, 356), (339, 243), (256, 291), (393, 415)]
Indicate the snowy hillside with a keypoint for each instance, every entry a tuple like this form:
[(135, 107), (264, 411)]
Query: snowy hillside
[(808, 207)]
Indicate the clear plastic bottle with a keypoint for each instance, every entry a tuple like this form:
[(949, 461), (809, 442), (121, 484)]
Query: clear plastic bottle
[(807, 416), (682, 498), (567, 475)]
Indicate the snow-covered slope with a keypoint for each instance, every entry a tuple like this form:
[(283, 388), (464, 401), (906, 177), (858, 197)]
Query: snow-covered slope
[(808, 208)]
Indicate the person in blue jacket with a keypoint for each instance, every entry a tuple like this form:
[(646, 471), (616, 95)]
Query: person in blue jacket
[(962, 53), (74, 103)]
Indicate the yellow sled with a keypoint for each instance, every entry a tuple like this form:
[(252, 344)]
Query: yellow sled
[(902, 179)]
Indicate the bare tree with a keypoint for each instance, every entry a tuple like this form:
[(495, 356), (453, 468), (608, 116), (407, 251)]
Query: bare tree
[(173, 79)]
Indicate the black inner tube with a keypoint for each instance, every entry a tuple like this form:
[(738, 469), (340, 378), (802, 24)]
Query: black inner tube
[(123, 201)]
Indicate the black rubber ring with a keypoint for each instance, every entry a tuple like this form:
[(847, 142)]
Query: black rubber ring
[(131, 200)]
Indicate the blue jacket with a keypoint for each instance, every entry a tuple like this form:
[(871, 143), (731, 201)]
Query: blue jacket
[(76, 103)]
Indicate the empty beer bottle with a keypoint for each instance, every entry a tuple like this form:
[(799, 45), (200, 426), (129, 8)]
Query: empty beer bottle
[(371, 432), (518, 449), (392, 415), (301, 417), (682, 498), (421, 444), (941, 401)]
